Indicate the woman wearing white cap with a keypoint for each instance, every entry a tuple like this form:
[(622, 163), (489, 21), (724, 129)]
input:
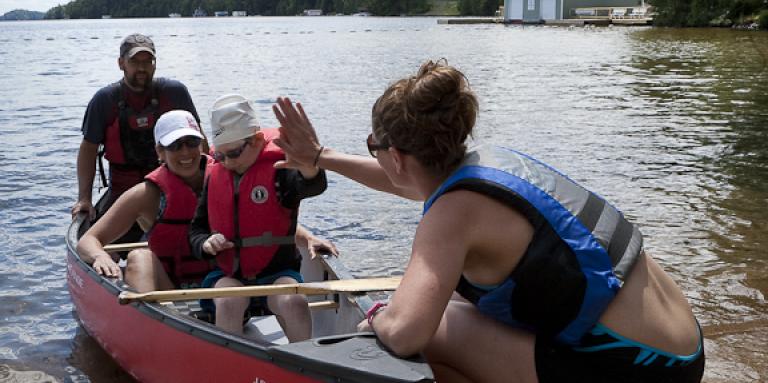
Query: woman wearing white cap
[(174, 186)]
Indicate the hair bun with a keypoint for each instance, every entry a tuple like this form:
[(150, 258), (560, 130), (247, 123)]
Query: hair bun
[(429, 115), (436, 86)]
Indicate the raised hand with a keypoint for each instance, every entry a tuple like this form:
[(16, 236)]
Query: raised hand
[(298, 138)]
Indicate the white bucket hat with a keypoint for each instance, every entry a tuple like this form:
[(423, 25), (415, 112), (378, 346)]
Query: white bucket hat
[(232, 119), (175, 124)]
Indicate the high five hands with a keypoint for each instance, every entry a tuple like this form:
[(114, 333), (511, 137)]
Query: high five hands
[(298, 138)]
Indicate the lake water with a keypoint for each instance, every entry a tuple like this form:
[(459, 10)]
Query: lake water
[(670, 125)]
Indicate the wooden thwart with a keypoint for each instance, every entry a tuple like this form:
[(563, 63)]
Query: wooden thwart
[(362, 285), (125, 246)]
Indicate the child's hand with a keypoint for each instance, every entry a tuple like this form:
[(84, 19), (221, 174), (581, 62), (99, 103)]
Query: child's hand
[(317, 245), (216, 243)]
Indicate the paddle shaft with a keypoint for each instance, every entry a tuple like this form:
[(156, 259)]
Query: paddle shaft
[(125, 246), (312, 288)]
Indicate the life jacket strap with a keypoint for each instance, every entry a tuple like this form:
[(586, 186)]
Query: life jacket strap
[(266, 239), (100, 163)]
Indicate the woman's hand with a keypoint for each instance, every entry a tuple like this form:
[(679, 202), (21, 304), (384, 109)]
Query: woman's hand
[(364, 326), (298, 138), (104, 265)]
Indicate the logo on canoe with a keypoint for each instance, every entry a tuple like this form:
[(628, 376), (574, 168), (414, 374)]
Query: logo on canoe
[(259, 194), (367, 353), (78, 280)]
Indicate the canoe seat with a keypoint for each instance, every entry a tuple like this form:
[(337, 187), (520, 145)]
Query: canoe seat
[(265, 328)]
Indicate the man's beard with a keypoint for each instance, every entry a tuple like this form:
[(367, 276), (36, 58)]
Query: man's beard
[(137, 84)]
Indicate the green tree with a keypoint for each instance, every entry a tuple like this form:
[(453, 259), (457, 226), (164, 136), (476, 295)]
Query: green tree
[(479, 7)]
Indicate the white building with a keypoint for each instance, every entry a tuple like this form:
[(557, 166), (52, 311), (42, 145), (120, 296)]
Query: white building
[(533, 11)]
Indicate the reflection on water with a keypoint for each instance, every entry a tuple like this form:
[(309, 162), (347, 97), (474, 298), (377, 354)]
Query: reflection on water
[(709, 93), (93, 363), (669, 125)]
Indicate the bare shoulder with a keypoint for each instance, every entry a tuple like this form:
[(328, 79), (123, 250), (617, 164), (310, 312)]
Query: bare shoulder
[(494, 235), (142, 199), (477, 209)]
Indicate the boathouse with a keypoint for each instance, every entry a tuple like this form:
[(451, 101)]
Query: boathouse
[(534, 11)]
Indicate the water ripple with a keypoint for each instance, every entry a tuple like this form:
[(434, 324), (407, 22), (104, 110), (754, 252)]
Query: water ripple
[(669, 125)]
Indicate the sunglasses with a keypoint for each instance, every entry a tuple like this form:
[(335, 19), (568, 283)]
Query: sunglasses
[(231, 154), (190, 142), (142, 63), (374, 147)]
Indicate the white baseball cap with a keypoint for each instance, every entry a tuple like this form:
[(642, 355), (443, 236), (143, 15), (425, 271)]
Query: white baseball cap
[(175, 124), (232, 119)]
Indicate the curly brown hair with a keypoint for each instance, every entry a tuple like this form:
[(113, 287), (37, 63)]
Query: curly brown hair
[(429, 115)]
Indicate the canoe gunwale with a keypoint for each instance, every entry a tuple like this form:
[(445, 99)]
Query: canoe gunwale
[(283, 364), (157, 311)]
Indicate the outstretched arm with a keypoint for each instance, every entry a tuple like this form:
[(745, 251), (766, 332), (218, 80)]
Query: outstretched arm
[(299, 141), (437, 258), (132, 206)]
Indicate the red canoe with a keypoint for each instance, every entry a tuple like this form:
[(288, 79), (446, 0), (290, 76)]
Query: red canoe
[(163, 342)]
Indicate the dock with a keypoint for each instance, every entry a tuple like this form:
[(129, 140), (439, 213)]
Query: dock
[(473, 20), (560, 22), (549, 13)]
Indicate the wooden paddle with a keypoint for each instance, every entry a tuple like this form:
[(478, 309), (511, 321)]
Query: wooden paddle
[(125, 246), (311, 288)]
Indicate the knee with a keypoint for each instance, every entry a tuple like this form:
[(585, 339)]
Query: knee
[(231, 304), (139, 259), (290, 305)]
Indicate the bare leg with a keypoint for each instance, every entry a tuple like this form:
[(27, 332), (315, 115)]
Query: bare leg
[(230, 310), (470, 347), (292, 312), (144, 272)]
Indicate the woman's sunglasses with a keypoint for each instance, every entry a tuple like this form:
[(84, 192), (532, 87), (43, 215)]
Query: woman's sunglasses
[(190, 142), (231, 154), (374, 147)]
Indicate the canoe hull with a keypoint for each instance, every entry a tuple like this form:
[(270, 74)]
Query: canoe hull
[(153, 350), (157, 343)]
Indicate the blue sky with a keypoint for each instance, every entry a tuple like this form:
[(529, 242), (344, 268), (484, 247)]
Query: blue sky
[(32, 5)]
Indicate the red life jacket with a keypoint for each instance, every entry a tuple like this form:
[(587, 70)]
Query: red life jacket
[(129, 139), (252, 216), (129, 143), (168, 236)]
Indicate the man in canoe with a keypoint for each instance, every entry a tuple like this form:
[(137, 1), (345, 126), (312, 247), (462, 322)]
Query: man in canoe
[(553, 283), (247, 217), (120, 117)]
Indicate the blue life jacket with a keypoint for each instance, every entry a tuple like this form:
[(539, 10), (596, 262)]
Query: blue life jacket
[(582, 248)]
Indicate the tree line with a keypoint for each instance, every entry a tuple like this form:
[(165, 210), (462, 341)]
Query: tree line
[(22, 14), (479, 7), (702, 13), (94, 9)]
